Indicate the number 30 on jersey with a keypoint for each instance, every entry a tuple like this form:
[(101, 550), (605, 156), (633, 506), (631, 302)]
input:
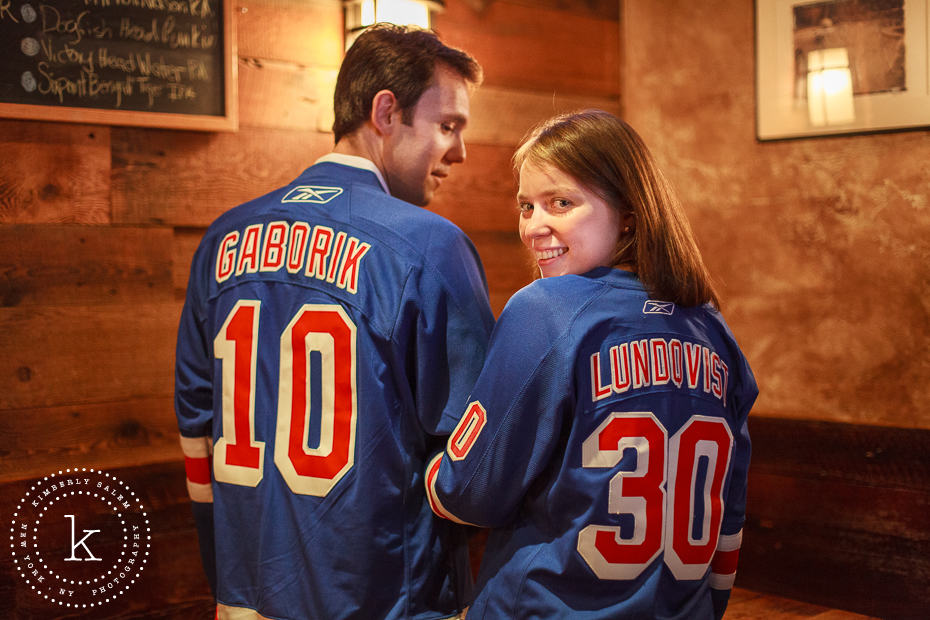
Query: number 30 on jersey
[(238, 456), (659, 522)]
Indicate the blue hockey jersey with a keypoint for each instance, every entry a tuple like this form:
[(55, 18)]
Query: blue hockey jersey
[(329, 336), (606, 441)]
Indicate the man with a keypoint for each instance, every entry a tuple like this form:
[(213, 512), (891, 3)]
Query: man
[(331, 333)]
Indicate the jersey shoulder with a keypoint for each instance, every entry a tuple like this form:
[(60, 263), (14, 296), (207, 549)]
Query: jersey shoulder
[(559, 301), (546, 311), (334, 195), (412, 228)]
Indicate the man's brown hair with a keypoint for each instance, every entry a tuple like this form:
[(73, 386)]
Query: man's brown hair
[(396, 58)]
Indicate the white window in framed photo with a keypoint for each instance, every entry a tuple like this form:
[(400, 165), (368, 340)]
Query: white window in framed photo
[(841, 66)]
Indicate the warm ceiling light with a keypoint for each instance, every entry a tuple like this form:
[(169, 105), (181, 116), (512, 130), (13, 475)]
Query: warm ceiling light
[(360, 14)]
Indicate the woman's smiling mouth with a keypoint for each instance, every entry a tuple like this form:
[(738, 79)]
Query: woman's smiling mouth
[(547, 254)]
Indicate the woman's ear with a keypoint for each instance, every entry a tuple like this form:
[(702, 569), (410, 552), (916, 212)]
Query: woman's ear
[(384, 111), (627, 222)]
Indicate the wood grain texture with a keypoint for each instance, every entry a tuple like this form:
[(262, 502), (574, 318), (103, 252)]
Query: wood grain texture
[(306, 32), (188, 179), (285, 95), (839, 515), (600, 9), (503, 116), (867, 455), (205, 176), (172, 584), (537, 48), (103, 435), (481, 193), (750, 605), (68, 265), (57, 355), (507, 264), (183, 246), (288, 96), (54, 173)]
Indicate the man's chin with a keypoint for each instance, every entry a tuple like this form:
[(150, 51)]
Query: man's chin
[(420, 197), (421, 200)]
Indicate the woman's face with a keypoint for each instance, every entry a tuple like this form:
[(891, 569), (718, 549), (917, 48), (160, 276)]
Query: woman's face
[(569, 228)]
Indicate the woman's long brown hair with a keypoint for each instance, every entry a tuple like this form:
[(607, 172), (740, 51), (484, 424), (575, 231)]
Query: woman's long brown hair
[(605, 154)]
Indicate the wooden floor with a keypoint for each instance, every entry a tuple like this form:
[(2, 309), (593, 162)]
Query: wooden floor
[(746, 604)]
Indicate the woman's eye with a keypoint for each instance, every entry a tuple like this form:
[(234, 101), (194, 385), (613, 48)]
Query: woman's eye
[(562, 203), (448, 127)]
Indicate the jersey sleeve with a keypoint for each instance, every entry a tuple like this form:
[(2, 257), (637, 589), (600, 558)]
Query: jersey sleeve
[(452, 328), (512, 423), (193, 376), (726, 557), (193, 399)]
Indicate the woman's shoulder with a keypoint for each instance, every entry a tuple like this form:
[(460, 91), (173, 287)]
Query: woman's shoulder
[(576, 290), (552, 304), (561, 289)]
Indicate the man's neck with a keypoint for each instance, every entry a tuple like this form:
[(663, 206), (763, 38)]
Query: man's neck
[(362, 143)]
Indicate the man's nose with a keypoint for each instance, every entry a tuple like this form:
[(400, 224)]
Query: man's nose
[(456, 154)]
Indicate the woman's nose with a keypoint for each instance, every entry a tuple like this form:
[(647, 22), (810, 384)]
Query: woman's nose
[(537, 224), (534, 226)]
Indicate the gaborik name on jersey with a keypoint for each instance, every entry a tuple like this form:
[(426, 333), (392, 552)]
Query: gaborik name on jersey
[(656, 361), (316, 251)]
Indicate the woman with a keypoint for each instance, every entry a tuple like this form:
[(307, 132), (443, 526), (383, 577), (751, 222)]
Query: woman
[(606, 437)]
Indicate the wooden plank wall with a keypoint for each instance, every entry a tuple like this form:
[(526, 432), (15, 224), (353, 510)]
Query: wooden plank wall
[(98, 225), (839, 515)]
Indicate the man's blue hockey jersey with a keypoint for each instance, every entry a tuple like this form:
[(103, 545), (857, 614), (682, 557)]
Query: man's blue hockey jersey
[(606, 439), (329, 336)]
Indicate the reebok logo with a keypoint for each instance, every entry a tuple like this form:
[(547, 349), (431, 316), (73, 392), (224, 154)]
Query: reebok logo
[(658, 307), (316, 194)]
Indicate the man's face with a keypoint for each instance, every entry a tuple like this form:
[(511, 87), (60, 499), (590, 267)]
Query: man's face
[(417, 157)]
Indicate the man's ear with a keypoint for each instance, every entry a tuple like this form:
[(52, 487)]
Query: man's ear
[(385, 113)]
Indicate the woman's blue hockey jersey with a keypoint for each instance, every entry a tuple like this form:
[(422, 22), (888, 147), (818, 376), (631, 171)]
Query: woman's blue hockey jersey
[(606, 441)]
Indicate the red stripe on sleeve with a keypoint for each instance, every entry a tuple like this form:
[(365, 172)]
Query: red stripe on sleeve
[(198, 469), (431, 473), (725, 562)]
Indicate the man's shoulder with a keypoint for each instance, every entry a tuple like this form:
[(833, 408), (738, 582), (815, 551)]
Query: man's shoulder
[(417, 228), (332, 195)]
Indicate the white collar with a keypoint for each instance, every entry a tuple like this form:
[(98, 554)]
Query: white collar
[(355, 161)]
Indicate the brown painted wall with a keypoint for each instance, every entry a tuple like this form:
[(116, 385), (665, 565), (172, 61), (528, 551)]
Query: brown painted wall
[(821, 246)]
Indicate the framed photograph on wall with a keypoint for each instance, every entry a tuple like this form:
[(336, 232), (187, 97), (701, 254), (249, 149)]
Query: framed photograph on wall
[(827, 67)]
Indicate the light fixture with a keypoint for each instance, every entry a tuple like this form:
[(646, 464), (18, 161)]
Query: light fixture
[(359, 14), (829, 87)]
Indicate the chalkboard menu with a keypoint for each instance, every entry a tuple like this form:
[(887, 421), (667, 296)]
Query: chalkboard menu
[(164, 63)]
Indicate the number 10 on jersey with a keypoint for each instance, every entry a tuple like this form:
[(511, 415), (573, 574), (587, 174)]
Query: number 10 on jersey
[(238, 456)]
